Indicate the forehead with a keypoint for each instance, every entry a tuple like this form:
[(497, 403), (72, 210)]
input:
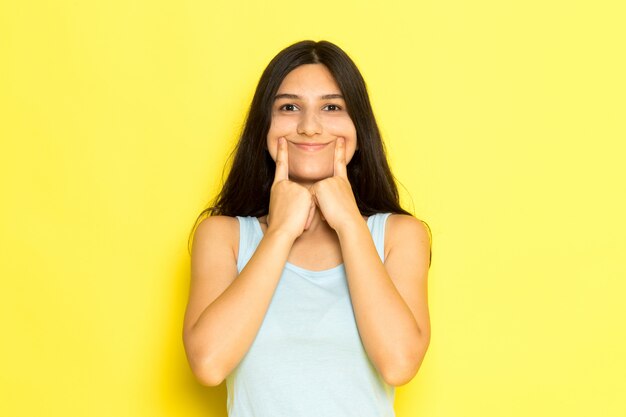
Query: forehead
[(309, 77)]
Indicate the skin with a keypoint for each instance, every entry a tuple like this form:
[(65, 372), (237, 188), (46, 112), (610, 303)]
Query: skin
[(313, 222), (310, 119)]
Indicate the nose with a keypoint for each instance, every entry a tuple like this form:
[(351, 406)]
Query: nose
[(309, 124)]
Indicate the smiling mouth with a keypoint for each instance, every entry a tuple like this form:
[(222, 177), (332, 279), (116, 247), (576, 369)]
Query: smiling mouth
[(310, 147)]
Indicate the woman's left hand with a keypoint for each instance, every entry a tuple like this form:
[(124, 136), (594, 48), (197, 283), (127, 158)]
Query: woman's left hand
[(334, 195)]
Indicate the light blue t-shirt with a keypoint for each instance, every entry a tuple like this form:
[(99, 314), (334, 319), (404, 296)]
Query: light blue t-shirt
[(307, 359)]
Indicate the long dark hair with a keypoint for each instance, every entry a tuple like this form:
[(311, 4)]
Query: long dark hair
[(246, 191)]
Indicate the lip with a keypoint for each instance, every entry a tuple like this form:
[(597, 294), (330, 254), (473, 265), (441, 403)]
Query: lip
[(310, 146)]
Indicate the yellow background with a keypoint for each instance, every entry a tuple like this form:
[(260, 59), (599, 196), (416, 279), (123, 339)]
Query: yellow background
[(504, 121)]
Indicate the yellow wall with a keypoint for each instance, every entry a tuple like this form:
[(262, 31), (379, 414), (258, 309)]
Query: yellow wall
[(503, 120)]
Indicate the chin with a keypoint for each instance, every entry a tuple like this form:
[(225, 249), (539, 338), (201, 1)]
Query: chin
[(309, 176)]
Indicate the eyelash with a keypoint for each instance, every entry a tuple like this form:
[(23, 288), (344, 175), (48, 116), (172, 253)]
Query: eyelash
[(335, 105)]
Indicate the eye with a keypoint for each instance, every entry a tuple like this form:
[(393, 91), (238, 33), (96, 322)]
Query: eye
[(288, 107), (333, 107)]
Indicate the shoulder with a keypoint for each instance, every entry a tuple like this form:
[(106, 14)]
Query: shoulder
[(216, 231), (403, 223), (408, 232), (221, 225)]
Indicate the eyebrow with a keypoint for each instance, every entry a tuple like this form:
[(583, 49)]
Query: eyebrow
[(295, 96)]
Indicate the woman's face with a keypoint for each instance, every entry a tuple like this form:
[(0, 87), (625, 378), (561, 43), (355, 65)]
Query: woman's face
[(310, 112)]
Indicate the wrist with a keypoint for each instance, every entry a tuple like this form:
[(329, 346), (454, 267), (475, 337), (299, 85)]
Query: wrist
[(352, 226), (280, 236)]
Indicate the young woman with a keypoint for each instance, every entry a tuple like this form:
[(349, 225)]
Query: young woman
[(308, 280)]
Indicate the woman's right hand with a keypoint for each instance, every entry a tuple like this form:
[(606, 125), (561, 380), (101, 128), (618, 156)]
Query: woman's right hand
[(291, 205)]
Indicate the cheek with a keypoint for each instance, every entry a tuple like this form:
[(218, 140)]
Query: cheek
[(272, 144), (347, 130), (342, 127), (350, 151), (279, 127), (339, 124)]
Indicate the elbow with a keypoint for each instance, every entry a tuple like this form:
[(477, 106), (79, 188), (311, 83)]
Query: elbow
[(204, 369), (208, 380), (404, 369), (398, 375), (206, 374)]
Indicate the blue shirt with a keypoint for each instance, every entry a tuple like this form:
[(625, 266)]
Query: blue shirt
[(307, 359)]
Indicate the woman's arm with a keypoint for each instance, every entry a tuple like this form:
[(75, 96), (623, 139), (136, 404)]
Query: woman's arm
[(225, 311), (390, 300), (224, 314)]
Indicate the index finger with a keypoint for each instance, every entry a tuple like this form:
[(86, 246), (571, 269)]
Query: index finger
[(282, 161), (340, 158)]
